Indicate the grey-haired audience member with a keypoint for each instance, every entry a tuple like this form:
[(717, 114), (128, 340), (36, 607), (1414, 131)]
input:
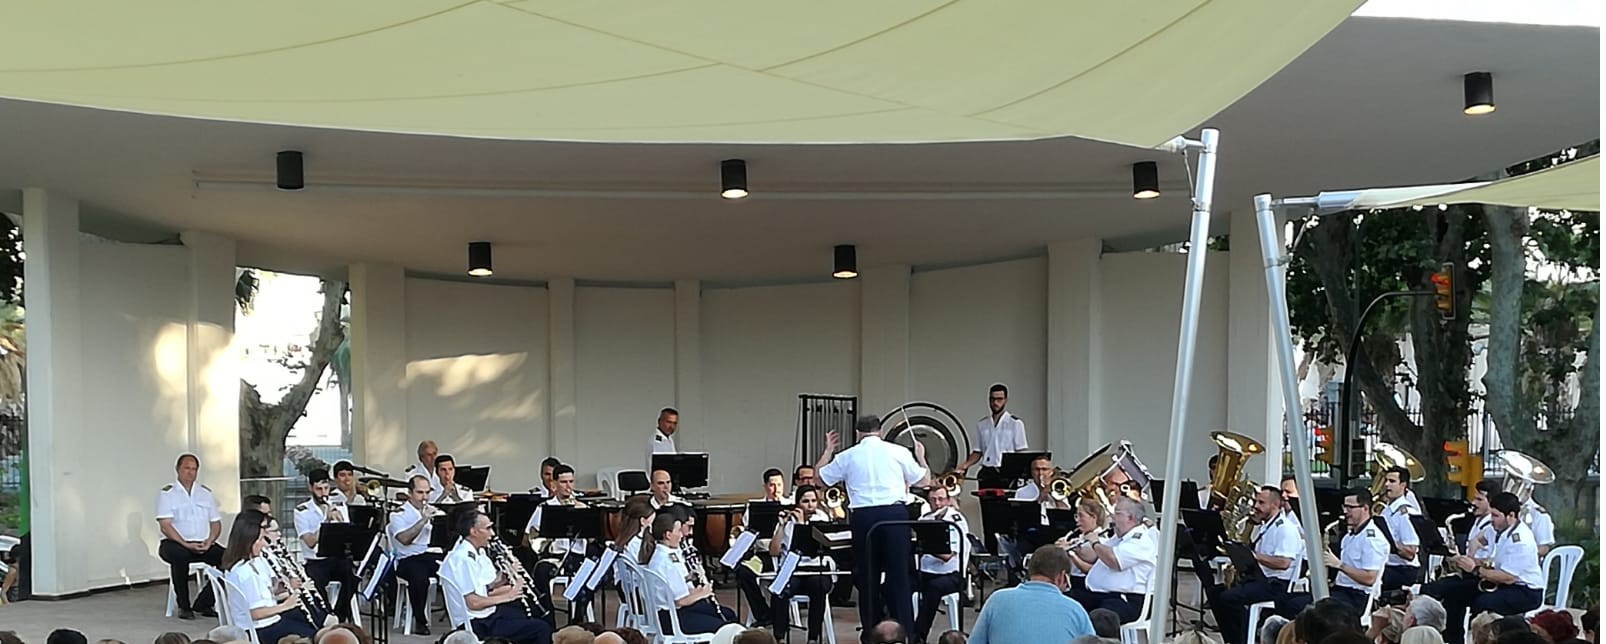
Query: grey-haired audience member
[(1272, 627), (226, 634)]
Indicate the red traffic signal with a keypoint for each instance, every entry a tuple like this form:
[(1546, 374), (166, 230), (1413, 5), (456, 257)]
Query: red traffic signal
[(1444, 290)]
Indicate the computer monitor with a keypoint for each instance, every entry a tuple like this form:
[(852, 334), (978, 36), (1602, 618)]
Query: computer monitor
[(686, 469)]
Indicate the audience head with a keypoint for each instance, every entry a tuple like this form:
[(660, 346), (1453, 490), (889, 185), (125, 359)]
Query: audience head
[(1050, 564), (1526, 636), (1286, 634), (1426, 611), (573, 635), (755, 636), (629, 635), (887, 632), (111, 641), (1590, 622), (343, 633), (172, 638), (1106, 623), (1558, 624), (591, 627), (200, 641), (951, 637), (460, 637), (66, 636), (1480, 629), (1270, 628), (727, 634), (1348, 636), (226, 634), (608, 637), (1421, 635), (1323, 618)]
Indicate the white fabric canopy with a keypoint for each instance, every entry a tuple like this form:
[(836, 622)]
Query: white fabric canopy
[(1569, 186), (694, 70)]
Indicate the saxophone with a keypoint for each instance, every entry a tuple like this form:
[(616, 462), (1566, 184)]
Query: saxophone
[(308, 598), (511, 569)]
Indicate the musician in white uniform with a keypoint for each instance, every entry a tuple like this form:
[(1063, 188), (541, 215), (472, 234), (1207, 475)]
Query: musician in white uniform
[(1091, 527), (691, 595), (1362, 555), (409, 530), (1277, 542), (1480, 538), (310, 518), (940, 575), (1121, 577), (427, 451), (446, 488), (494, 598), (663, 436), (1540, 522), (346, 484), (1403, 564), (187, 516), (275, 608), (748, 571), (792, 528), (661, 484), (996, 433), (1512, 569), (557, 557)]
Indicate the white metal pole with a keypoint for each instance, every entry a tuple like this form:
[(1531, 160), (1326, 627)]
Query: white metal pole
[(1271, 250), (1203, 192)]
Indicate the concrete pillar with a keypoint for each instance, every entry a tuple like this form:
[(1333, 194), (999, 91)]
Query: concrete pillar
[(884, 339), (54, 374), (213, 365), (379, 366), (563, 407), (1254, 395), (689, 364), (1075, 397)]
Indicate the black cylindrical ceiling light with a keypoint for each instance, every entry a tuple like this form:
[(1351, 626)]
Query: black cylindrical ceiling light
[(290, 176), (479, 259), (845, 262), (1479, 93), (733, 178), (1145, 180)]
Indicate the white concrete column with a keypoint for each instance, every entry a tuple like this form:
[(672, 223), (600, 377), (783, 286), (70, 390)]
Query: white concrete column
[(563, 406), (213, 365), (1075, 360), (1254, 395), (55, 393), (883, 339), (689, 364), (379, 365)]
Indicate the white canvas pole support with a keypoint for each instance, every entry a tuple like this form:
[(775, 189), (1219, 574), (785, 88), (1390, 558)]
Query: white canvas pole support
[(1271, 251), (1203, 192)]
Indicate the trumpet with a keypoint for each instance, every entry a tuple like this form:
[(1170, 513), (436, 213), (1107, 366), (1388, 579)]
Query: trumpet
[(836, 496), (951, 482)]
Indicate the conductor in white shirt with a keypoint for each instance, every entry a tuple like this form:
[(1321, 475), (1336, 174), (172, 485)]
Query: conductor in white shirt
[(996, 433), (877, 475)]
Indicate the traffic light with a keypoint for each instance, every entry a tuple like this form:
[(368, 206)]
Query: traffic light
[(1444, 290), (1324, 445), (1466, 468)]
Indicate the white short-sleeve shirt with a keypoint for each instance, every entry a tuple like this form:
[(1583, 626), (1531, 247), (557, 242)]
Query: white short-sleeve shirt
[(1516, 551), (309, 520), (1280, 537), (876, 472), (192, 511), (1398, 517), (254, 582), (669, 564), (993, 439), (1136, 551), (403, 520), (1540, 522), (426, 470), (1484, 528), (471, 571), (957, 543), (1366, 549), (460, 493)]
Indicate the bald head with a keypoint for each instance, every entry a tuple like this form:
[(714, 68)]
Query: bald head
[(609, 637), (661, 485), (887, 632), (337, 634)]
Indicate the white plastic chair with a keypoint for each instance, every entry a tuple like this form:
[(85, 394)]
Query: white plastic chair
[(828, 627), (1255, 609), (1129, 631), (404, 607), (1568, 558), (332, 595), (654, 591), (633, 611), (564, 581), (198, 571), (230, 601), (456, 607), (608, 482)]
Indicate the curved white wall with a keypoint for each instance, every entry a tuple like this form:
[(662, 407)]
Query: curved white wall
[(624, 373)]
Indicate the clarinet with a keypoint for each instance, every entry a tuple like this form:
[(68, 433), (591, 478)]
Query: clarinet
[(310, 600), (694, 567), (512, 569)]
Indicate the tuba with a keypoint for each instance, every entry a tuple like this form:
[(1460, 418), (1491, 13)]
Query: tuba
[(1387, 455), (951, 482), (836, 496), (1232, 493), (1108, 466), (1523, 472)]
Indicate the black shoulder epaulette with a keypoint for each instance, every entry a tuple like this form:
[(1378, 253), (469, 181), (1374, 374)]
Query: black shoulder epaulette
[(167, 488), (204, 487)]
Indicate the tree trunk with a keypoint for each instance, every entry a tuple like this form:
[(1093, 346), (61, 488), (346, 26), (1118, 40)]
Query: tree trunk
[(263, 427)]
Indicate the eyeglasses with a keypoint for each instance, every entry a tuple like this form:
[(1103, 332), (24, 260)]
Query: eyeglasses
[(1348, 506)]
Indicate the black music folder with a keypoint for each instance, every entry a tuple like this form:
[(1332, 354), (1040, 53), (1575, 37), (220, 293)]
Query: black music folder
[(337, 540), (762, 517), (474, 477), (1018, 465), (570, 522)]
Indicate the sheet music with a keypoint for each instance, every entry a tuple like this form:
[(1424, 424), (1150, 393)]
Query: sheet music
[(608, 556), (744, 543), (783, 572), (578, 580), (381, 568)]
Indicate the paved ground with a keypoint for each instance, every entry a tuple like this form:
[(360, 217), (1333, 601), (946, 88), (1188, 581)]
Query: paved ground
[(135, 617)]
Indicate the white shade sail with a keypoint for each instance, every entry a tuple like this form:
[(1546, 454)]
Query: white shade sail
[(693, 71), (1569, 186)]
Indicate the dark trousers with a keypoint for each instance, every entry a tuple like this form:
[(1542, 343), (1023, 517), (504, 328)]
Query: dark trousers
[(178, 560), (510, 623), (1397, 577), (748, 582), (814, 587), (889, 548), (1231, 605), (323, 571), (418, 570), (1460, 594), (700, 617), (1127, 605), (932, 589), (292, 622), (546, 570), (1294, 603)]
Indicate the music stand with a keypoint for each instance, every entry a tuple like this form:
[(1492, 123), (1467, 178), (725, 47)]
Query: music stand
[(337, 540), (1025, 520), (762, 516), (516, 512), (1206, 526), (1017, 466), (1330, 504), (474, 477), (1427, 534), (1190, 493), (1061, 521), (570, 522), (914, 511), (686, 469), (1440, 510), (1243, 559), (932, 537), (366, 516)]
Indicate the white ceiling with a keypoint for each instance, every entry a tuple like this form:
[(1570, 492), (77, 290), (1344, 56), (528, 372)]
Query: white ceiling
[(1375, 103)]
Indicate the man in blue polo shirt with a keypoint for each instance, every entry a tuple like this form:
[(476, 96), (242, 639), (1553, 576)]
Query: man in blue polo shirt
[(1037, 610)]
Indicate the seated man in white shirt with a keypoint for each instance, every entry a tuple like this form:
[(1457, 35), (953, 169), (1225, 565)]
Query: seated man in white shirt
[(1121, 577), (747, 573), (425, 465), (345, 480), (1513, 569), (662, 484), (1404, 562), (310, 518), (409, 530), (557, 557), (187, 516), (447, 489), (940, 575), (496, 602), (1277, 543), (1362, 555), (1015, 546)]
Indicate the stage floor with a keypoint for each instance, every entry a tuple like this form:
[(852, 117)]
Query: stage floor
[(135, 617)]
